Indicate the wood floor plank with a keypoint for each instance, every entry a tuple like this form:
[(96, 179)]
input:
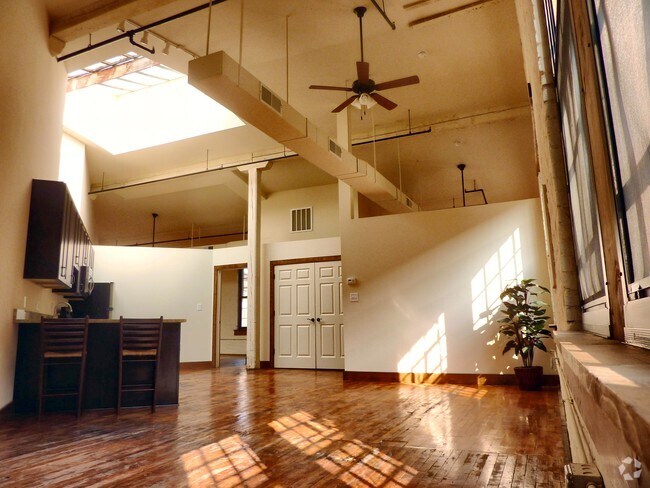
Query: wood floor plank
[(295, 429)]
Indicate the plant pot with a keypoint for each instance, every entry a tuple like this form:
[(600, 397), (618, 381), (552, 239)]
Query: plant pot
[(529, 378)]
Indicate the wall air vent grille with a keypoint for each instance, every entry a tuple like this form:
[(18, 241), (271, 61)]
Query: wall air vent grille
[(301, 220), (335, 149), (268, 97)]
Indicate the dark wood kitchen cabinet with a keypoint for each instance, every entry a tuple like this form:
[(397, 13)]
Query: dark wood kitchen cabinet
[(58, 245)]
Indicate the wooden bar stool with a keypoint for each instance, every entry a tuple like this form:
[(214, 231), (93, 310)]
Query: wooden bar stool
[(140, 343), (63, 342)]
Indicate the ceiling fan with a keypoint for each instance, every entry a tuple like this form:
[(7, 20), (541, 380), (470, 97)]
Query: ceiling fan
[(364, 88)]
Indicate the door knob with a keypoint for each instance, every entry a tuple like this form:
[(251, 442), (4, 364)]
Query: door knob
[(318, 319), (312, 319)]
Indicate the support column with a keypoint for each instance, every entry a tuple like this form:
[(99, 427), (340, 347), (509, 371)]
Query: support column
[(348, 201), (254, 264), (554, 193)]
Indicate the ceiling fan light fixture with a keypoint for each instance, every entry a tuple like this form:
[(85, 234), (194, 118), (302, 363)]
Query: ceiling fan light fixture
[(364, 101)]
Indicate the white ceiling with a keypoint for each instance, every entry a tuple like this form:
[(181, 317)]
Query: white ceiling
[(473, 64)]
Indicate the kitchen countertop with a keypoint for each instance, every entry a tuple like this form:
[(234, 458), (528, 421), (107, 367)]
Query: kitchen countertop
[(104, 321)]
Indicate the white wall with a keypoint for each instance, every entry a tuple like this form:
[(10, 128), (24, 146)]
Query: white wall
[(429, 283), (229, 311), (32, 89), (150, 282), (276, 213)]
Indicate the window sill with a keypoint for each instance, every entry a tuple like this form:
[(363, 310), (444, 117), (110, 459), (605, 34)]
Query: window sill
[(241, 332), (609, 383)]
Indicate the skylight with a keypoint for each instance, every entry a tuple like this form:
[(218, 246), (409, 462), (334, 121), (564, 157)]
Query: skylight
[(140, 109)]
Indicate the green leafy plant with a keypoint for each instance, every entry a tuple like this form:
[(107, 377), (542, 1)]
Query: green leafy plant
[(524, 320)]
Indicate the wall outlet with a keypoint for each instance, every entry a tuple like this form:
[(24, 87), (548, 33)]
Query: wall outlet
[(354, 297), (199, 307)]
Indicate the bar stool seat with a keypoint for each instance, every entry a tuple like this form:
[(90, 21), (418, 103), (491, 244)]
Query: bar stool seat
[(140, 343), (63, 342)]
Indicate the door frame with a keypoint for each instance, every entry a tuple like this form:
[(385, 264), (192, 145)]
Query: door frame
[(216, 301), (272, 265)]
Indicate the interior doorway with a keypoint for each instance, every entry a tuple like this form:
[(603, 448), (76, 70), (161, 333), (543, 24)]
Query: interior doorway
[(229, 321), (307, 314)]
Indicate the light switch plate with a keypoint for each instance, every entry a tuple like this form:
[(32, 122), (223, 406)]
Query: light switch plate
[(354, 297), (199, 307)]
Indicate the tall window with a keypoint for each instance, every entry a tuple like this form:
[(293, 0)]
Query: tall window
[(242, 315), (581, 182), (626, 66)]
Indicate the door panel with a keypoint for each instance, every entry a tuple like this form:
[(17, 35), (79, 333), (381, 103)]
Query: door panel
[(284, 341), (294, 308), (327, 305), (284, 295), (329, 325), (303, 341), (308, 318), (303, 300), (327, 341)]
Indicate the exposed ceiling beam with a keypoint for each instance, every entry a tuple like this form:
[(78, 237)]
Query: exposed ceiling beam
[(416, 3), (110, 73), (99, 15), (447, 12)]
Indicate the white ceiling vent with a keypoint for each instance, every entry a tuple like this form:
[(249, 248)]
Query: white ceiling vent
[(335, 149), (301, 219), (268, 97)]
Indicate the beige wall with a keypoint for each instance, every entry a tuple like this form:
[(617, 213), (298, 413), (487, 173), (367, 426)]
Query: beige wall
[(155, 281), (229, 342), (276, 218), (32, 85), (429, 285), (73, 170)]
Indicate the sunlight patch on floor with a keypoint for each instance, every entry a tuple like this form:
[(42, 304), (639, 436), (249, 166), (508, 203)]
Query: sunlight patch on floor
[(356, 463), (229, 462)]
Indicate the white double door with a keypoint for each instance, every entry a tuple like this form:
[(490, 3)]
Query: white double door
[(308, 316)]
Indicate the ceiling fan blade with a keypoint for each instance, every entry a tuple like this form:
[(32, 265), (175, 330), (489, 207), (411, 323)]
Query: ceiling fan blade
[(409, 80), (345, 104), (325, 87), (383, 101), (363, 72)]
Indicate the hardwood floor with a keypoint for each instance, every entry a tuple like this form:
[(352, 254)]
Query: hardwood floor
[(296, 429)]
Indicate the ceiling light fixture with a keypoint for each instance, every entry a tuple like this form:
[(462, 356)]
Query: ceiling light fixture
[(364, 101)]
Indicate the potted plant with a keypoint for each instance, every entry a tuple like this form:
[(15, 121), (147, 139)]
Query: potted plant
[(523, 325)]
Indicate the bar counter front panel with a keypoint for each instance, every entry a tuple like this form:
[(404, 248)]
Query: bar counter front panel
[(100, 383)]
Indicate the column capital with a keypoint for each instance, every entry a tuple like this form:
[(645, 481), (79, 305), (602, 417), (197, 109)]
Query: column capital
[(255, 166)]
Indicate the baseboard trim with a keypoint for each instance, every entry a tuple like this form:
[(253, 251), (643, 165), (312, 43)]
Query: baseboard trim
[(8, 409), (444, 378), (195, 365), (265, 365)]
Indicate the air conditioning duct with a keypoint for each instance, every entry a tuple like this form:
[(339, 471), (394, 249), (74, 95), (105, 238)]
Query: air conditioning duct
[(222, 79)]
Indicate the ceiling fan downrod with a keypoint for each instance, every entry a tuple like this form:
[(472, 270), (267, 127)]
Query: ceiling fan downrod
[(360, 11)]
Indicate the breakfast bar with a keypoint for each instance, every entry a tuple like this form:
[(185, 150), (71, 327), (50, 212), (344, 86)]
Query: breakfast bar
[(101, 374)]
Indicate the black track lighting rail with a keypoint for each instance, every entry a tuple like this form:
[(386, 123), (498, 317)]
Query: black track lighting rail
[(132, 32)]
